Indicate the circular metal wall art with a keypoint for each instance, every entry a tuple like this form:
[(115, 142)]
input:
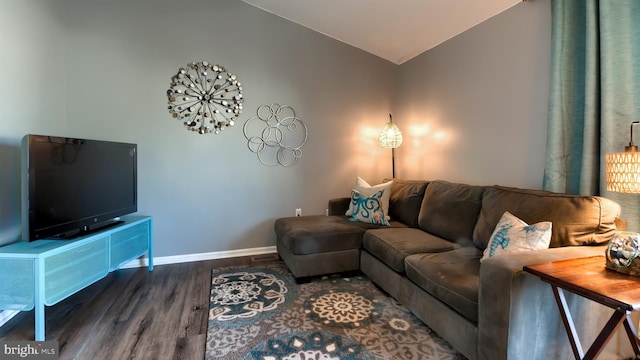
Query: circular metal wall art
[(276, 135), (206, 98)]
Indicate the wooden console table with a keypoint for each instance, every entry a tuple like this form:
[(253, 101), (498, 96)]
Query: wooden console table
[(44, 272), (589, 278)]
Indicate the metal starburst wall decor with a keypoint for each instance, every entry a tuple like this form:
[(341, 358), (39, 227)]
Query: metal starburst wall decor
[(206, 98)]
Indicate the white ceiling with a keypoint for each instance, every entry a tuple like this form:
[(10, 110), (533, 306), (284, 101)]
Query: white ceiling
[(396, 30)]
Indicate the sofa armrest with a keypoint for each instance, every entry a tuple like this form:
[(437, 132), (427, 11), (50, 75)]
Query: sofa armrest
[(519, 318), (338, 206)]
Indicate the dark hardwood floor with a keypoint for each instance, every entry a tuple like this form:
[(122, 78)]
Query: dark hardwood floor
[(133, 314)]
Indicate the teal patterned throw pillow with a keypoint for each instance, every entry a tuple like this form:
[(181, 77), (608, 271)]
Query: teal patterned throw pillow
[(513, 235), (368, 209), (364, 188)]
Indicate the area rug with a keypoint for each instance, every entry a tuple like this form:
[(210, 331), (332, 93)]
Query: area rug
[(261, 313)]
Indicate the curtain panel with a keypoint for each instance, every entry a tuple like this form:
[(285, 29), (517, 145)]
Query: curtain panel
[(594, 95)]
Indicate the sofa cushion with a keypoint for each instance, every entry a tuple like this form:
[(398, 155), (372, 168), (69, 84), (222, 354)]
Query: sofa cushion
[(453, 277), (313, 234), (450, 210), (391, 246), (577, 220), (405, 200)]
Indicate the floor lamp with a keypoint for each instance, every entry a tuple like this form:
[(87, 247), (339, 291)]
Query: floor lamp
[(390, 138)]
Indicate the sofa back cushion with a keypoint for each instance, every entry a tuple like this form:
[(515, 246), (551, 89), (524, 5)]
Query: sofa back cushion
[(576, 220), (405, 200), (450, 210)]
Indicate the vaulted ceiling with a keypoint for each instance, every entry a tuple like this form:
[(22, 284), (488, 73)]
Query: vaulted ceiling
[(396, 30)]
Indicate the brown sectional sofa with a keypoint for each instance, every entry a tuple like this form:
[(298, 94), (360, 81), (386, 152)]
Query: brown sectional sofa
[(429, 260)]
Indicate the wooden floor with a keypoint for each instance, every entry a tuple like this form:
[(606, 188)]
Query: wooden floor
[(133, 314)]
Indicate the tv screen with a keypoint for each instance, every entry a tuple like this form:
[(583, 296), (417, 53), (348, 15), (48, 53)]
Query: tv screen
[(71, 186)]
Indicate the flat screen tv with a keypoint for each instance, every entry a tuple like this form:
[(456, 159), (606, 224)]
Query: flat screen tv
[(72, 186)]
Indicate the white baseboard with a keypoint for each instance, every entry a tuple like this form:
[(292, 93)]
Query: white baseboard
[(6, 315), (176, 259)]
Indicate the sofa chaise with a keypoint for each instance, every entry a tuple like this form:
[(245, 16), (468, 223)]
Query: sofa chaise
[(430, 258)]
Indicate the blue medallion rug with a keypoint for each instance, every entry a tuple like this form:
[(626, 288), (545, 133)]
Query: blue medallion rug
[(261, 313)]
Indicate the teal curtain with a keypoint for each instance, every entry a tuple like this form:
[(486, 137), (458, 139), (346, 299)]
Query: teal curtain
[(594, 95)]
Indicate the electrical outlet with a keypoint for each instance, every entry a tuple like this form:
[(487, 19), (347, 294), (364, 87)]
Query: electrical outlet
[(298, 212)]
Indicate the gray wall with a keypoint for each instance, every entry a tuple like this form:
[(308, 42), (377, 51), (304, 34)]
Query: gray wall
[(32, 94), (100, 69), (474, 109)]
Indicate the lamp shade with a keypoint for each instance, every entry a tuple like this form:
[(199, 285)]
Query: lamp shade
[(623, 172), (390, 137), (622, 169)]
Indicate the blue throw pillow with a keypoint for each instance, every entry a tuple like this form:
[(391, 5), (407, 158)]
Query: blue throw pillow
[(368, 209)]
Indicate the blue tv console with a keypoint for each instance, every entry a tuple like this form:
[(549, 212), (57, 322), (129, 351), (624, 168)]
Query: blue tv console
[(44, 272)]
